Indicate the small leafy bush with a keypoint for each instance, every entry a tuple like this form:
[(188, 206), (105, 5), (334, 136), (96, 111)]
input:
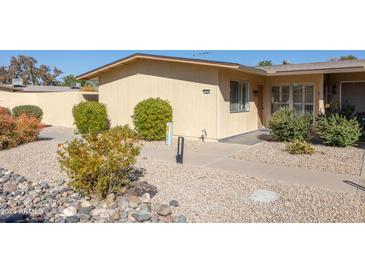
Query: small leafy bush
[(90, 117), (150, 118), (299, 147), (100, 164), (29, 110), (27, 128), (285, 126), (337, 130)]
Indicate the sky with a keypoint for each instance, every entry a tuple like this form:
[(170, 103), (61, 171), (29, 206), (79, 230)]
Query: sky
[(79, 61)]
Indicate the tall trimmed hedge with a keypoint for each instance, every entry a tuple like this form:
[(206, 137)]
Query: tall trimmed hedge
[(150, 118), (90, 117), (29, 110)]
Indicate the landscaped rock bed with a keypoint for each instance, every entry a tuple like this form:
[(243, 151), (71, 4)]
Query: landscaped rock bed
[(346, 160), (25, 201), (214, 196)]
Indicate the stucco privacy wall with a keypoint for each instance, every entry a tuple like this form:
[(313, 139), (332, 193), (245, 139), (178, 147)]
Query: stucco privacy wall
[(181, 84), (337, 78), (56, 106), (236, 123), (316, 79)]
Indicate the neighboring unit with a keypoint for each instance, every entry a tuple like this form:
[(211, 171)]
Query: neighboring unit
[(55, 101)]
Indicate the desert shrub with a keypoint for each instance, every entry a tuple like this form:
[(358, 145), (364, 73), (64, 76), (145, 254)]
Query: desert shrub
[(286, 126), (27, 128), (14, 131), (100, 164), (4, 110), (29, 110), (8, 136), (90, 117), (336, 130), (299, 147), (150, 118)]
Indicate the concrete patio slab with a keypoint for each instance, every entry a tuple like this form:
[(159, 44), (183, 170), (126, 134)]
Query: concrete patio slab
[(249, 138)]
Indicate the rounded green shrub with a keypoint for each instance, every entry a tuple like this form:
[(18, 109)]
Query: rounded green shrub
[(90, 117), (299, 147), (150, 118), (337, 130), (286, 126), (98, 164), (29, 110)]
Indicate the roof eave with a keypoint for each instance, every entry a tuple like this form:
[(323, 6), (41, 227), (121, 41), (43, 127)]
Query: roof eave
[(94, 73), (317, 71)]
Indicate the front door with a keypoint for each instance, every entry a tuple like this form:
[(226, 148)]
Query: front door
[(260, 105)]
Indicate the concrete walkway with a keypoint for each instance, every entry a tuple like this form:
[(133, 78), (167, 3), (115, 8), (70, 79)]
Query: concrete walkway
[(216, 155)]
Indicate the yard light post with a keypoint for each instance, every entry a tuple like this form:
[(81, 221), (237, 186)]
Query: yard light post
[(180, 150), (168, 141)]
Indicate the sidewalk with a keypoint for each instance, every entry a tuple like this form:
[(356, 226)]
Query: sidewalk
[(216, 155)]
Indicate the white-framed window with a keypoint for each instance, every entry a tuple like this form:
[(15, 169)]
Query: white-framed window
[(297, 97), (279, 97), (239, 96)]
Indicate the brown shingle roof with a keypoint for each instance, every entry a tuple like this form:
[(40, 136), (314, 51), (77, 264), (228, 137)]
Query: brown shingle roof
[(334, 65), (319, 67), (95, 72)]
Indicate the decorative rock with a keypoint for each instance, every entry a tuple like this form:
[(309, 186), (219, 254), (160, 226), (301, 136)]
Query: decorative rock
[(60, 220), (110, 199), (9, 187), (84, 217), (144, 214), (146, 198), (44, 184), (72, 219), (179, 219), (263, 196), (86, 210), (174, 203), (83, 204), (19, 179), (142, 187), (133, 199), (123, 203), (163, 210), (70, 211)]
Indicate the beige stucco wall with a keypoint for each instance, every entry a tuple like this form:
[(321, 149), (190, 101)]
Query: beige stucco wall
[(316, 79), (181, 84), (230, 124), (56, 106)]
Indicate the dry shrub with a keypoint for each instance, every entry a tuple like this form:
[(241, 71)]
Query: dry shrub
[(27, 128)]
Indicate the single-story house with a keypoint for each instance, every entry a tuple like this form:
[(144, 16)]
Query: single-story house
[(55, 101), (225, 99)]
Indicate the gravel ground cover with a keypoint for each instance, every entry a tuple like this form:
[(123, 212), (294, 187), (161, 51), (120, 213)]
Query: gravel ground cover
[(208, 195), (331, 159), (191, 144), (37, 161)]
